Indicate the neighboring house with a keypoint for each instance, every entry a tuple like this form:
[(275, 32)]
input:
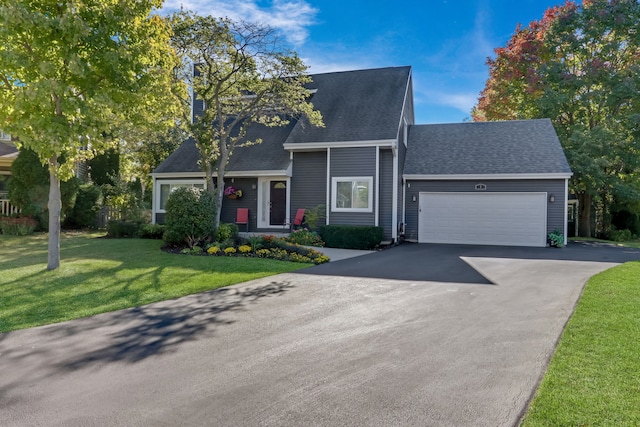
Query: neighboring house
[(8, 153), (483, 183)]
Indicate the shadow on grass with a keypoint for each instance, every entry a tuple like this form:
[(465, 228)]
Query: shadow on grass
[(100, 275)]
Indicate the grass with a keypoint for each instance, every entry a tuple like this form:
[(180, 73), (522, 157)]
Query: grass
[(628, 244), (594, 375), (100, 275)]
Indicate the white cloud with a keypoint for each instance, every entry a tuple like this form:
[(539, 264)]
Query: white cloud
[(291, 17), (461, 101)]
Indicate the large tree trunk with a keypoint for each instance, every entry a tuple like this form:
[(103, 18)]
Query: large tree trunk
[(584, 214), (55, 206), (220, 195)]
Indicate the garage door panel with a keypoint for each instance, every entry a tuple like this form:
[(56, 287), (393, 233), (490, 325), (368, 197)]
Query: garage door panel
[(488, 218)]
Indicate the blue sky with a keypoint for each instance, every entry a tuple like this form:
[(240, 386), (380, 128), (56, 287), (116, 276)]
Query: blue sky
[(445, 41)]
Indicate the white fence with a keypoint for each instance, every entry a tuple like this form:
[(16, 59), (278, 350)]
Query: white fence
[(6, 208)]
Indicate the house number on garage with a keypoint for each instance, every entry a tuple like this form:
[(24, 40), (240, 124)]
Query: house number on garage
[(481, 187)]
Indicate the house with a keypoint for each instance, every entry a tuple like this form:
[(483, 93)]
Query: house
[(481, 183), (8, 153)]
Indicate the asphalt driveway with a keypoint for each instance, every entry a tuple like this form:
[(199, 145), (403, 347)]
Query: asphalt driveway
[(415, 335)]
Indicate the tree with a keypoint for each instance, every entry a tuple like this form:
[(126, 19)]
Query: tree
[(28, 188), (579, 66), (71, 72), (244, 77)]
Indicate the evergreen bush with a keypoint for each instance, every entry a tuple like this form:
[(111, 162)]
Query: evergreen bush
[(190, 217), (351, 236)]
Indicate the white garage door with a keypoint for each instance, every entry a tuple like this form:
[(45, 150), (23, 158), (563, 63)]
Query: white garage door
[(512, 219)]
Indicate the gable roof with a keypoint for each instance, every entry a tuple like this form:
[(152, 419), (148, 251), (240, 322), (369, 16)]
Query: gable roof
[(520, 147), (8, 150), (267, 156), (362, 105)]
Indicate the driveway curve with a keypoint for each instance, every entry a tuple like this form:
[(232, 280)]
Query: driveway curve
[(415, 335)]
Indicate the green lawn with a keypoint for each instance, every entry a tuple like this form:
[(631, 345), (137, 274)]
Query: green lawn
[(99, 275), (628, 244), (594, 376)]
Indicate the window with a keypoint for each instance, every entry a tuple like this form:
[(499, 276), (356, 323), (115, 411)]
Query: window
[(352, 194), (167, 188), (4, 136)]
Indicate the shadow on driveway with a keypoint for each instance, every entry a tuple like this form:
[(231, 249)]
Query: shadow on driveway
[(444, 263)]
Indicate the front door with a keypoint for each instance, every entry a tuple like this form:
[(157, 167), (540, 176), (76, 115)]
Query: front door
[(277, 202)]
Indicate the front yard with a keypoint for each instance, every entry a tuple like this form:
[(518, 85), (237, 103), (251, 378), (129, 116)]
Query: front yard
[(594, 376), (98, 275)]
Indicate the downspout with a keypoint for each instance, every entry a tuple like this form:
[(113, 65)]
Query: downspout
[(154, 195), (566, 210), (394, 204), (377, 194), (328, 210)]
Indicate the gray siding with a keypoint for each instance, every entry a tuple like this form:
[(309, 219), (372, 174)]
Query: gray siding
[(309, 181), (353, 162), (386, 193), (249, 199), (555, 211)]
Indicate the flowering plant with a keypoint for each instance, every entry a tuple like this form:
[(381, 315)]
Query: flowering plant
[(232, 191)]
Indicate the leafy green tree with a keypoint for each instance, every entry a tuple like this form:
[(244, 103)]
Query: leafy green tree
[(579, 66), (244, 77), (72, 72)]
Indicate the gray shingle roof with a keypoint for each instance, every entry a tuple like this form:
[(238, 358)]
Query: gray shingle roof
[(269, 155), (358, 105), (510, 147), (361, 105), (8, 150)]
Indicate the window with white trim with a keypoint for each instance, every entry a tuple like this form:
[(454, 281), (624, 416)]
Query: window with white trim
[(352, 194), (167, 187), (4, 136)]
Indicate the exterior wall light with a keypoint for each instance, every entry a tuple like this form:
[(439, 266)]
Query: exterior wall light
[(552, 198)]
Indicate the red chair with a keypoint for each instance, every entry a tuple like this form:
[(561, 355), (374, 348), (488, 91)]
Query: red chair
[(297, 221), (242, 217)]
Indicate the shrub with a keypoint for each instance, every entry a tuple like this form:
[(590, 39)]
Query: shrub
[(151, 231), (213, 250), (86, 207), (351, 236), (621, 235), (305, 237), (226, 232), (244, 249), (313, 216), (190, 216), (230, 250), (255, 242), (118, 229), (556, 239), (20, 226)]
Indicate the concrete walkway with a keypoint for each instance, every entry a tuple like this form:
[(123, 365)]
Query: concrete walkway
[(310, 348), (336, 254)]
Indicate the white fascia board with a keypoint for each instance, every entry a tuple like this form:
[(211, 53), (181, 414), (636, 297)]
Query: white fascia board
[(497, 176), (306, 146), (250, 174), (404, 105), (230, 174), (178, 175)]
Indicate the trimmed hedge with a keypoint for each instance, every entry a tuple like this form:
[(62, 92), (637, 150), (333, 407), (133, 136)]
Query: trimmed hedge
[(118, 229), (151, 231), (351, 236)]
